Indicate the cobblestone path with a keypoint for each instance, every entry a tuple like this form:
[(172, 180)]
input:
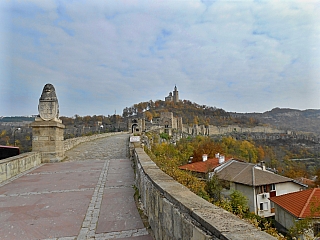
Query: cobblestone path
[(88, 196)]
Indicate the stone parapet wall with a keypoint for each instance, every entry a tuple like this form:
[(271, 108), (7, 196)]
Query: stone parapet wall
[(174, 212), (13, 166), (72, 142)]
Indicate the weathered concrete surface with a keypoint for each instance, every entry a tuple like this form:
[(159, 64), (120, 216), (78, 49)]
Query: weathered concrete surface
[(174, 212), (90, 196)]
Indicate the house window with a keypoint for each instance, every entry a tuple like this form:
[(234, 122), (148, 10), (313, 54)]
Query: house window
[(263, 206), (316, 229), (272, 187), (265, 188)]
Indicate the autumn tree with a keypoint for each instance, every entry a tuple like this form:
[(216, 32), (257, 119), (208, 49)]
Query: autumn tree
[(261, 153), (205, 145), (239, 203), (248, 151), (3, 133), (148, 115), (213, 188)]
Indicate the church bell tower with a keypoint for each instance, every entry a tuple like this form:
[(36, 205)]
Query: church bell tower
[(175, 95)]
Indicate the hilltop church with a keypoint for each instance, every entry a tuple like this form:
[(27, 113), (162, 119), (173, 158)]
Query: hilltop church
[(173, 98)]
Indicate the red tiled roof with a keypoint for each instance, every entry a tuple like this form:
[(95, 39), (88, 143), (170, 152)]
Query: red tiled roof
[(299, 203), (203, 167)]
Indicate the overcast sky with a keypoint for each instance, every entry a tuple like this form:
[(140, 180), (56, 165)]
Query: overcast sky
[(103, 56)]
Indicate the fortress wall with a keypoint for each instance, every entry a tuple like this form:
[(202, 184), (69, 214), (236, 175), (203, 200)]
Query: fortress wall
[(174, 212), (215, 130), (10, 167), (234, 128)]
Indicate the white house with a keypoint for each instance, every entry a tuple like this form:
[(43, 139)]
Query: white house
[(257, 184)]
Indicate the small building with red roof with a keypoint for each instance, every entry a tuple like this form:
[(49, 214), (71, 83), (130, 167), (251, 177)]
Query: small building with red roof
[(203, 168), (292, 207)]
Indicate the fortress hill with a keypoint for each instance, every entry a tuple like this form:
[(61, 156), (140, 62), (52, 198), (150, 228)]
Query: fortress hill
[(81, 188), (173, 118)]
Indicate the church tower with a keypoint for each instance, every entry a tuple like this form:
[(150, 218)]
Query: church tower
[(175, 95)]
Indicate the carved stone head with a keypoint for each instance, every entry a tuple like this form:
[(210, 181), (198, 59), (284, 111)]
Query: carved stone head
[(48, 104), (48, 93)]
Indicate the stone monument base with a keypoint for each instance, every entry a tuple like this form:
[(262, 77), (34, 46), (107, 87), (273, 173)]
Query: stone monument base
[(47, 138)]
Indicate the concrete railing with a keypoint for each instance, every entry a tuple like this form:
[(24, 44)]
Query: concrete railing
[(13, 166), (174, 212), (72, 142)]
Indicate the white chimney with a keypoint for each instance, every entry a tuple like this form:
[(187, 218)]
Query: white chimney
[(204, 157), (221, 159), (263, 165), (217, 155)]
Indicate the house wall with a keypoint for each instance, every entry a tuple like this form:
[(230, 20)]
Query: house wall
[(281, 188), (287, 187), (254, 199), (264, 198), (284, 218), (248, 192)]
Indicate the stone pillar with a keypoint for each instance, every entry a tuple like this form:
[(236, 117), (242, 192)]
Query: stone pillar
[(47, 138), (47, 129)]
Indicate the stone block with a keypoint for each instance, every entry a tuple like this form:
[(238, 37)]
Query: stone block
[(167, 210), (198, 234), (177, 224)]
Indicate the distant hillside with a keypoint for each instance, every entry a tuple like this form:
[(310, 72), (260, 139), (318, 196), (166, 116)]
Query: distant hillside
[(17, 119), (291, 119)]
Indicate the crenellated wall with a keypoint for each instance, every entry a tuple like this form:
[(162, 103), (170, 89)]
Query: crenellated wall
[(174, 212)]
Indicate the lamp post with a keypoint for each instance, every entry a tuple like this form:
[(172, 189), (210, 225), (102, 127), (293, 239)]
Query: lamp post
[(101, 128), (14, 136)]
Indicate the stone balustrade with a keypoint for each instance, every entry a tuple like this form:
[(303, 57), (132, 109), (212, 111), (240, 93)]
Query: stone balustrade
[(174, 212), (13, 166)]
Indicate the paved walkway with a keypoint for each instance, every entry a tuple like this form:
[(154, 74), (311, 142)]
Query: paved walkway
[(89, 196)]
